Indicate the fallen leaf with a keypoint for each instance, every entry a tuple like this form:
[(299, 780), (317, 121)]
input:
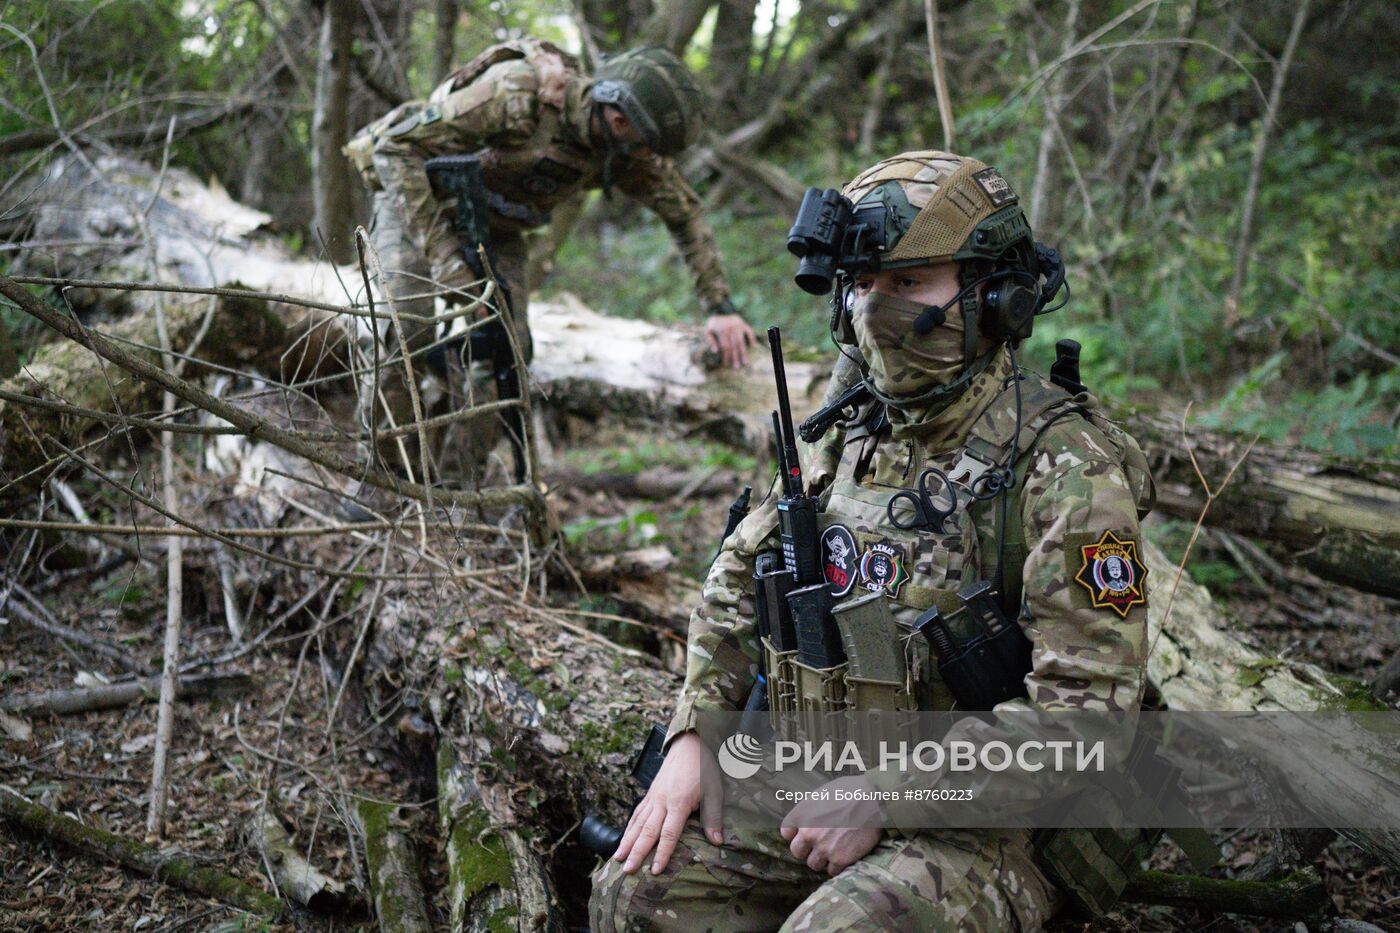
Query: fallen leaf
[(138, 744), (15, 727)]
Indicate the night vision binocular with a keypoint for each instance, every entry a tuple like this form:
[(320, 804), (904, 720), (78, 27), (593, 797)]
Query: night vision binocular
[(830, 233)]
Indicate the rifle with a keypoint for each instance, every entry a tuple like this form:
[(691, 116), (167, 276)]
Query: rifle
[(459, 177), (841, 408)]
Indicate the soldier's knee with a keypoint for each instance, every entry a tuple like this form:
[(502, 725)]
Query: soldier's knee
[(831, 908), (603, 914), (623, 903)]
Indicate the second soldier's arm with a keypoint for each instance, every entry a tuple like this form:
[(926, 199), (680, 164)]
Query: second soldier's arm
[(655, 182)]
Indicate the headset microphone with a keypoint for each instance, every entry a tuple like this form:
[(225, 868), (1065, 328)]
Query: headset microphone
[(932, 316)]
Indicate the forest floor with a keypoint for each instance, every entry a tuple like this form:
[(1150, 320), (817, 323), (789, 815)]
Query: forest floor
[(97, 765)]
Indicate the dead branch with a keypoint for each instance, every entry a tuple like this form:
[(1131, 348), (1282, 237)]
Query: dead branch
[(253, 425), (40, 618), (111, 696), (176, 869)]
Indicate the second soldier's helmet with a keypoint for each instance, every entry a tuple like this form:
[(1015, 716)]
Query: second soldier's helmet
[(657, 93)]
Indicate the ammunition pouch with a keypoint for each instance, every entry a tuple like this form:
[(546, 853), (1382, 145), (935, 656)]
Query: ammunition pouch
[(869, 669)]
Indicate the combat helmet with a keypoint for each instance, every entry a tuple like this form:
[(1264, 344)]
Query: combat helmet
[(657, 93), (925, 207)]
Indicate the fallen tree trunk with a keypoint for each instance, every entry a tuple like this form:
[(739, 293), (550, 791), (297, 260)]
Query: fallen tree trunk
[(1340, 519), (395, 889), (644, 583), (110, 696), (172, 868), (1300, 897), (73, 381), (653, 483)]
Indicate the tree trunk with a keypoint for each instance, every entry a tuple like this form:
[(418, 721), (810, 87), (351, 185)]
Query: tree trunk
[(331, 175), (444, 37), (1256, 162), (730, 52), (673, 24)]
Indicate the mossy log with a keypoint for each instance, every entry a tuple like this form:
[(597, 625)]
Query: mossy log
[(496, 880), (179, 870), (1301, 896), (396, 891), (1339, 518)]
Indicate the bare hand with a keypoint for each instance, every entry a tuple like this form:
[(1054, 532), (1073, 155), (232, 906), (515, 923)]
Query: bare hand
[(846, 833), (730, 336), (689, 777)]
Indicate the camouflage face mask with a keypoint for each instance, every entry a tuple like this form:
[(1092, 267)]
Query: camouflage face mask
[(901, 361)]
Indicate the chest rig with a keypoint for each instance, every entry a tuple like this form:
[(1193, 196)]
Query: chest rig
[(904, 600)]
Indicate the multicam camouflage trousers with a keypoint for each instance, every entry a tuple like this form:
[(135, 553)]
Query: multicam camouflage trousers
[(457, 449), (947, 880)]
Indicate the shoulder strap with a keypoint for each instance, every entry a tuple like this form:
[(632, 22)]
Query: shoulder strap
[(990, 442)]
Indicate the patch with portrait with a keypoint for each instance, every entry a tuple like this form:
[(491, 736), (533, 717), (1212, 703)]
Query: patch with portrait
[(882, 568), (1110, 571)]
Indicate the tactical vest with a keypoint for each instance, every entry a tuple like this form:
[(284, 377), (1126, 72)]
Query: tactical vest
[(919, 568), (904, 572)]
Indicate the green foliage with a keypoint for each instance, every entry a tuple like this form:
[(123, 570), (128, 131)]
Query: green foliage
[(630, 268)]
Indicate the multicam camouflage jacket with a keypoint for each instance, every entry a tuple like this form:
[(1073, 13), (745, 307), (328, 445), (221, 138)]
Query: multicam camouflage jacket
[(1071, 548), (523, 107)]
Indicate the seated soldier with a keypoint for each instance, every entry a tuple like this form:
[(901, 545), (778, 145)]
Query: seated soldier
[(931, 317)]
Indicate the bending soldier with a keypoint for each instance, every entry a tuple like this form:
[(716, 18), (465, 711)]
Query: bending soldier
[(948, 287), (543, 131)]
